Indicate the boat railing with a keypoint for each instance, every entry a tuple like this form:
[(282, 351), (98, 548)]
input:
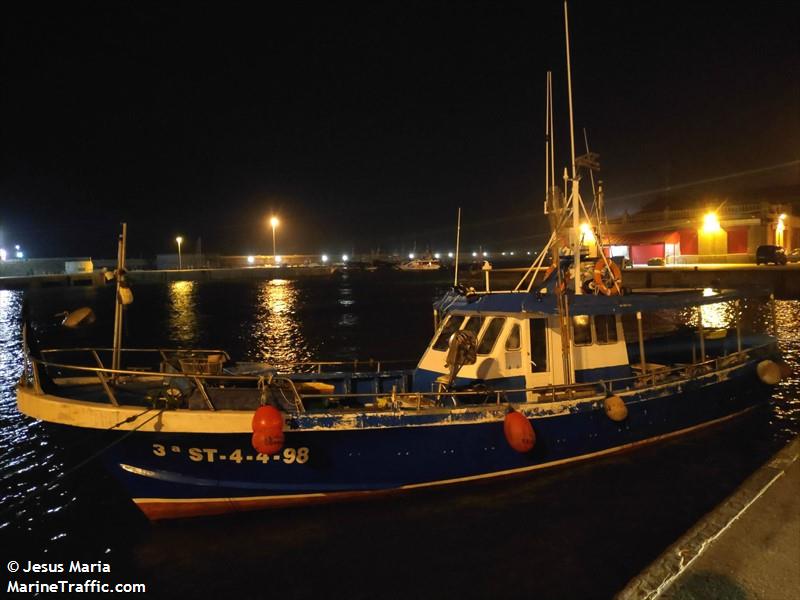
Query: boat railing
[(111, 379), (287, 394), (654, 374), (320, 366), (198, 360)]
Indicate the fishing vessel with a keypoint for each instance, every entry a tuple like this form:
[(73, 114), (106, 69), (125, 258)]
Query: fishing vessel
[(556, 370), (420, 264)]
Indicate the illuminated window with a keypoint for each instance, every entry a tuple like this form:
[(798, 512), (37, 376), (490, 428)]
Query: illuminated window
[(605, 328), (582, 330), (450, 326), (490, 335)]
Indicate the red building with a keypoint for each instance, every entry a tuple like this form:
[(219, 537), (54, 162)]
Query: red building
[(728, 234)]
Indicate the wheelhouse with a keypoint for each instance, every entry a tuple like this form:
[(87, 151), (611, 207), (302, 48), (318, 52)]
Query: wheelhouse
[(524, 351)]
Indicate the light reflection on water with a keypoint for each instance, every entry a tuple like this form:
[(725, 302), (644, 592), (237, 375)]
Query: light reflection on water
[(786, 396), (719, 315), (276, 336), (183, 313), (25, 457)]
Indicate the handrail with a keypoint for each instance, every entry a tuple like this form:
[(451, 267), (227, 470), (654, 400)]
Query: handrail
[(172, 350), (355, 363), (164, 352)]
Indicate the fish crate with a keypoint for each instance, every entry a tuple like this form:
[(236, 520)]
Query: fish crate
[(201, 365)]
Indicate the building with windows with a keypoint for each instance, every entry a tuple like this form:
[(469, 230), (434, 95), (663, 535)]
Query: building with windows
[(729, 233)]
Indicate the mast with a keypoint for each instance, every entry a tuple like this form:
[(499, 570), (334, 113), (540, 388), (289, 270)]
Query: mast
[(575, 194), (115, 361), (556, 222)]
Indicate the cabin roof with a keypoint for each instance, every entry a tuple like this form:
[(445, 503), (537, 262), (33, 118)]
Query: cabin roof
[(588, 304)]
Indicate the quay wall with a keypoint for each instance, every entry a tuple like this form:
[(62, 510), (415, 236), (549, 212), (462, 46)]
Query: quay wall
[(168, 275), (95, 278), (784, 280)]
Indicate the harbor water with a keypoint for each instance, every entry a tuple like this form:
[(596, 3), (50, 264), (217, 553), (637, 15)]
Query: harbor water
[(580, 531)]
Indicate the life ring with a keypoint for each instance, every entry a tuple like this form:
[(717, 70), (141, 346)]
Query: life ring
[(610, 287)]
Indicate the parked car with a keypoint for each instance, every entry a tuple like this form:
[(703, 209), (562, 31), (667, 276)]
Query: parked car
[(794, 255), (622, 262), (770, 254)]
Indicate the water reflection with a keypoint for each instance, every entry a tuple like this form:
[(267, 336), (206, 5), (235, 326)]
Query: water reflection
[(349, 318), (25, 455), (182, 316), (11, 358), (786, 397), (720, 315), (10, 315), (276, 335)]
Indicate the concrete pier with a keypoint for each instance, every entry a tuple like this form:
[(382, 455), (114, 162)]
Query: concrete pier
[(783, 280), (163, 276), (748, 548), (229, 274)]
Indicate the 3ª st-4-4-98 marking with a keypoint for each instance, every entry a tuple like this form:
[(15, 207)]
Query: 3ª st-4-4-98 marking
[(287, 455)]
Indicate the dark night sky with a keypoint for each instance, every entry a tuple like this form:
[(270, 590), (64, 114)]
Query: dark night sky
[(367, 124)]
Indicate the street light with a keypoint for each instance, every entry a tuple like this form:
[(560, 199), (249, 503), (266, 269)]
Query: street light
[(711, 222), (274, 222), (779, 228), (179, 239)]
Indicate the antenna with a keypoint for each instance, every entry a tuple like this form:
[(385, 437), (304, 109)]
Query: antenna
[(569, 90), (458, 242), (547, 137), (552, 136)]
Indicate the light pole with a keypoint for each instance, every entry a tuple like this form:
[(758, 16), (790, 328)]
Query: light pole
[(274, 222), (179, 239)]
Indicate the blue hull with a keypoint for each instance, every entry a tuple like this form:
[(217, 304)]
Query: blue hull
[(173, 475)]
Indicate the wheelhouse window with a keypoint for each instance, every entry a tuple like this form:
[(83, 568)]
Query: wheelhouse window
[(512, 341), (605, 328), (489, 337), (538, 330), (582, 330), (474, 325), (450, 327)]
